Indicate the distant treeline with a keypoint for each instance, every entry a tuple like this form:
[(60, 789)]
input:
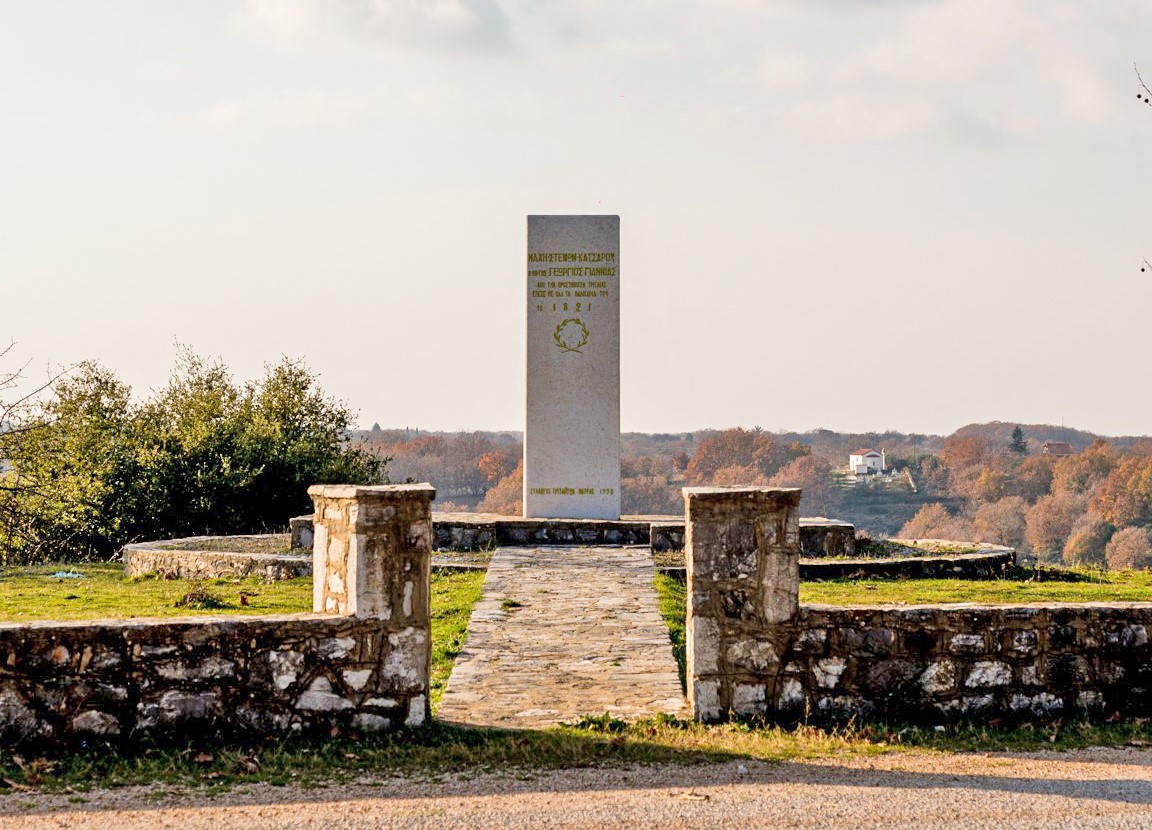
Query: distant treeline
[(990, 482)]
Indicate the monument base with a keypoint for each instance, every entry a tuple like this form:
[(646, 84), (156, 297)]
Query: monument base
[(819, 537)]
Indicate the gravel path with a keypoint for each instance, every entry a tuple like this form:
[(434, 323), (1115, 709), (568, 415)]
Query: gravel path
[(1046, 791)]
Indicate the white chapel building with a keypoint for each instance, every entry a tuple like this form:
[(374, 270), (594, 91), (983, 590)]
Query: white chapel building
[(865, 462)]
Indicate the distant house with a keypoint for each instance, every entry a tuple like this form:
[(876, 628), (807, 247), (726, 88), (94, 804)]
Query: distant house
[(1058, 448), (865, 462)]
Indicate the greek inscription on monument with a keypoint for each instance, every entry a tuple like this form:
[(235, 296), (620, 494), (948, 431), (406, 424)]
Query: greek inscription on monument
[(572, 433)]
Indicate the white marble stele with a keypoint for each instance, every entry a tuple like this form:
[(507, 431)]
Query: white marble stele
[(572, 433)]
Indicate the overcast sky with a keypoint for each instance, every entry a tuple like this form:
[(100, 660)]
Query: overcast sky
[(855, 214)]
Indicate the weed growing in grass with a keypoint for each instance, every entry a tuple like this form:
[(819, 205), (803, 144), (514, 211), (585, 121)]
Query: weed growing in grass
[(599, 723), (201, 598)]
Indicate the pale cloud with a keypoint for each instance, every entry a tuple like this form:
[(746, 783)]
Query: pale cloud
[(422, 24), (785, 69), (284, 111), (965, 70)]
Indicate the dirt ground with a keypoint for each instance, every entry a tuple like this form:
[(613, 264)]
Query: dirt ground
[(1100, 788)]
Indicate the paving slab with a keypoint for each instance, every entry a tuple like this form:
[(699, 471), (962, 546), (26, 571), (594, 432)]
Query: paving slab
[(562, 632)]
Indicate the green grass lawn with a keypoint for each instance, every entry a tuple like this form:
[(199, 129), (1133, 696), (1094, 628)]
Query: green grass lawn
[(1073, 586), (1080, 585), (453, 595), (103, 593)]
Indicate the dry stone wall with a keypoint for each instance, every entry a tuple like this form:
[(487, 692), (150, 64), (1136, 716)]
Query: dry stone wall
[(938, 663), (483, 531), (361, 665), (981, 565), (753, 651), (128, 680), (188, 559)]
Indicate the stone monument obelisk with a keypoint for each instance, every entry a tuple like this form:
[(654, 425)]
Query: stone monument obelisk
[(572, 432)]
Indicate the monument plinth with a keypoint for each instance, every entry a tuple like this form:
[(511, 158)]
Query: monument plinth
[(572, 433)]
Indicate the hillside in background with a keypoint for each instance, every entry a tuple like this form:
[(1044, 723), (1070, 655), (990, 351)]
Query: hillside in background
[(1093, 506), (998, 433)]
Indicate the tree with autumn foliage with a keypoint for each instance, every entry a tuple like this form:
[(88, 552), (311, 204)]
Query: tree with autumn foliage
[(1081, 472), (933, 521), (813, 475), (1002, 522), (507, 497), (650, 485), (496, 464), (1124, 496), (963, 451), (1049, 523), (1129, 549), (753, 451)]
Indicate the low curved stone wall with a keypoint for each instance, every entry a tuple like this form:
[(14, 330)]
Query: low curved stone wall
[(187, 559), (989, 562)]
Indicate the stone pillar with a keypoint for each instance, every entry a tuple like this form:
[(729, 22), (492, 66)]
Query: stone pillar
[(743, 555), (372, 551)]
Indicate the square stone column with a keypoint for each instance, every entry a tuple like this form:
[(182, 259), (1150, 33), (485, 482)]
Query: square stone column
[(742, 548), (372, 551), (572, 431)]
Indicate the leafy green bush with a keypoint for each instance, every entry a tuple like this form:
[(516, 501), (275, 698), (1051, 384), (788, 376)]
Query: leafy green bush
[(90, 470)]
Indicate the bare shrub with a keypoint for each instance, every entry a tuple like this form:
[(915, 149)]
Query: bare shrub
[(1129, 549)]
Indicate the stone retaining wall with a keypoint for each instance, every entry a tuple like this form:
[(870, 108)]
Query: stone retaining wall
[(132, 679), (480, 531), (187, 559), (937, 663), (992, 565), (753, 650), (820, 537), (363, 664), (986, 564)]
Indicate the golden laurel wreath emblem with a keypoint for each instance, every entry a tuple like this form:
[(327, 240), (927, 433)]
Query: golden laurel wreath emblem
[(571, 335)]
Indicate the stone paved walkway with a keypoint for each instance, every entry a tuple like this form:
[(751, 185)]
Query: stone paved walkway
[(562, 632)]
